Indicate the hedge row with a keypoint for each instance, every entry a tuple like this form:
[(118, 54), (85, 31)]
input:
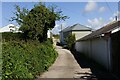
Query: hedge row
[(10, 36), (26, 59)]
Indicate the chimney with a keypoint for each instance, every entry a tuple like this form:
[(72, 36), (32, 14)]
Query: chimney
[(116, 18)]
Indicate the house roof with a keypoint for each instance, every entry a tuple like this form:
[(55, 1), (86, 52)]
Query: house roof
[(77, 27), (106, 29), (7, 28)]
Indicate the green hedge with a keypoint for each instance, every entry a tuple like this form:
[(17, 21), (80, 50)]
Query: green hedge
[(10, 36), (26, 60)]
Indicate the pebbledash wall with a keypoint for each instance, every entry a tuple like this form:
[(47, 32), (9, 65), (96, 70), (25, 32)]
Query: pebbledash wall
[(97, 49)]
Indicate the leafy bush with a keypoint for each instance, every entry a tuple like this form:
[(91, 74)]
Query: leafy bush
[(50, 40), (56, 36), (70, 40), (26, 59), (10, 36)]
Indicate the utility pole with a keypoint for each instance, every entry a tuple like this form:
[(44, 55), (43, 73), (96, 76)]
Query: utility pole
[(61, 27), (61, 41)]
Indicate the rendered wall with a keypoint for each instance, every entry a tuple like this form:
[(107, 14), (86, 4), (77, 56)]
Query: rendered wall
[(80, 34), (98, 49)]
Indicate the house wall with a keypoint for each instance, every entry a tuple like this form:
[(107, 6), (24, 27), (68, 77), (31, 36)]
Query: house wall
[(48, 34), (97, 49), (80, 34), (62, 38), (63, 35)]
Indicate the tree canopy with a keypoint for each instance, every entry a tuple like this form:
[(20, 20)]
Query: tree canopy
[(35, 23)]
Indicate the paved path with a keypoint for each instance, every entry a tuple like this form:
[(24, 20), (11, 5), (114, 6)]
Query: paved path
[(65, 66)]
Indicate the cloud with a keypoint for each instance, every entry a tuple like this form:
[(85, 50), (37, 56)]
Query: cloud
[(56, 25), (88, 26), (96, 22), (57, 28), (91, 6), (102, 9), (112, 18), (116, 13)]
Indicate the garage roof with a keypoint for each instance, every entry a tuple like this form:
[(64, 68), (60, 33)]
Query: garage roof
[(108, 28)]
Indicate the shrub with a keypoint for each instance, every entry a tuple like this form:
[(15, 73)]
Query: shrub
[(10, 36), (70, 40), (50, 40), (26, 59), (56, 36)]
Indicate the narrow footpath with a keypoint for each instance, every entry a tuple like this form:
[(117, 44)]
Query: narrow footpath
[(75, 67), (65, 66)]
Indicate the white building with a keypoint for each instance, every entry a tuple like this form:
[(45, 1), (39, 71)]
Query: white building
[(49, 34), (13, 28), (103, 46), (77, 29), (9, 28)]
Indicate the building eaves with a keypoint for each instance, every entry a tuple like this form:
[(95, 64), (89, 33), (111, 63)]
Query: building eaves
[(108, 28)]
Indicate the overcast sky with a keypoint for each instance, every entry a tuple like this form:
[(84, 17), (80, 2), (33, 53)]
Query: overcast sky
[(91, 14)]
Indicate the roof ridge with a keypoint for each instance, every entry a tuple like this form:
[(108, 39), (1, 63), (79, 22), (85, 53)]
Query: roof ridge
[(76, 26), (83, 26)]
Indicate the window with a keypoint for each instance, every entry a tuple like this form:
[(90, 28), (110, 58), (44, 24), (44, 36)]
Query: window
[(11, 26)]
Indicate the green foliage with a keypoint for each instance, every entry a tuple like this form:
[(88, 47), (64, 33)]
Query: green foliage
[(10, 36), (35, 23), (56, 36), (26, 59), (70, 40), (50, 40)]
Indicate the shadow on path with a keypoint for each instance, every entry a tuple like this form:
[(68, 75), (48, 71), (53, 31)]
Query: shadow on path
[(98, 73)]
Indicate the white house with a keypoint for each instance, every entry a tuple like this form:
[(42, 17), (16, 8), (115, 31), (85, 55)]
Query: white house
[(9, 28), (13, 28), (103, 46), (49, 34), (77, 29)]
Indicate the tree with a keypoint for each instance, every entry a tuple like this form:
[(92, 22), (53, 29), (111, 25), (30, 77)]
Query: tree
[(35, 23)]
